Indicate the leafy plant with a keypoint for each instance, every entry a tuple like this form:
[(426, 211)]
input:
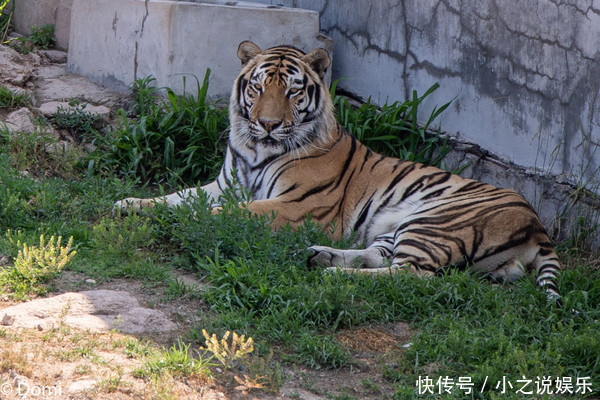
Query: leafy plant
[(42, 36), (393, 129), (121, 238), (36, 265), (80, 123), (320, 352), (145, 95), (177, 140)]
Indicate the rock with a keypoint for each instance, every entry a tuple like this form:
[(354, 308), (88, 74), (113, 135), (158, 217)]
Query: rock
[(67, 86), (81, 386), (16, 68), (50, 108), (20, 120), (93, 310), (7, 320), (55, 56)]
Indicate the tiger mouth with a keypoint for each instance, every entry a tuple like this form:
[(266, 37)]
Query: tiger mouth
[(271, 138), (269, 141)]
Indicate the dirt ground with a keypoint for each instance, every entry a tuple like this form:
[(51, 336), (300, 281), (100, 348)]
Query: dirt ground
[(66, 363)]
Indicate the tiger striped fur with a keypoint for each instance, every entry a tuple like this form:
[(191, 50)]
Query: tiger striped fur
[(286, 147)]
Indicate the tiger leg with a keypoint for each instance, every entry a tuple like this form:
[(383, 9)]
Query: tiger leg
[(416, 253), (174, 199), (376, 256)]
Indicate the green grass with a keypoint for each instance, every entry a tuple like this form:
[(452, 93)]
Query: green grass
[(393, 129), (257, 282), (10, 99), (468, 327), (177, 361)]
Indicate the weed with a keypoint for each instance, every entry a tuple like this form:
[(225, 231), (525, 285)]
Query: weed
[(112, 383), (247, 384), (35, 265), (177, 289), (80, 123), (10, 99), (146, 96), (33, 152), (225, 352), (135, 348), (122, 238), (16, 359), (393, 129), (42, 36), (83, 369), (270, 373)]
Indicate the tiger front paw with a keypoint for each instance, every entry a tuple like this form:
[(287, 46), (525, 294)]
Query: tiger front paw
[(131, 204), (320, 256)]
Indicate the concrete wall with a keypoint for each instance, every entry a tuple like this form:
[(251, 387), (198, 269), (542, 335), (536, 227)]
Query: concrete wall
[(42, 12), (115, 42), (524, 76)]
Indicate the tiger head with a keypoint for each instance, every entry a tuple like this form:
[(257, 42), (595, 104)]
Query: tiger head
[(279, 101)]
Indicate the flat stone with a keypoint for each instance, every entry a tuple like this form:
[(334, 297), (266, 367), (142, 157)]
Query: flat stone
[(92, 310), (71, 86), (50, 108)]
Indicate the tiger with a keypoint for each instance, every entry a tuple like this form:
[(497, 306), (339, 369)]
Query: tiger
[(286, 148)]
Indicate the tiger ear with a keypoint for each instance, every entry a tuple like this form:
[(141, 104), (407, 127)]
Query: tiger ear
[(319, 61), (247, 50)]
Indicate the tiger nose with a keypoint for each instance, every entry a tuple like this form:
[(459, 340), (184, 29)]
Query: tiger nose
[(269, 124)]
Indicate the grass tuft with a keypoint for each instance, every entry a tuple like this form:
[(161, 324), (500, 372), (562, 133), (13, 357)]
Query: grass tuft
[(10, 99)]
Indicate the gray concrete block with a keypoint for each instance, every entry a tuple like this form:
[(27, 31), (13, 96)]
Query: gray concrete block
[(115, 42)]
